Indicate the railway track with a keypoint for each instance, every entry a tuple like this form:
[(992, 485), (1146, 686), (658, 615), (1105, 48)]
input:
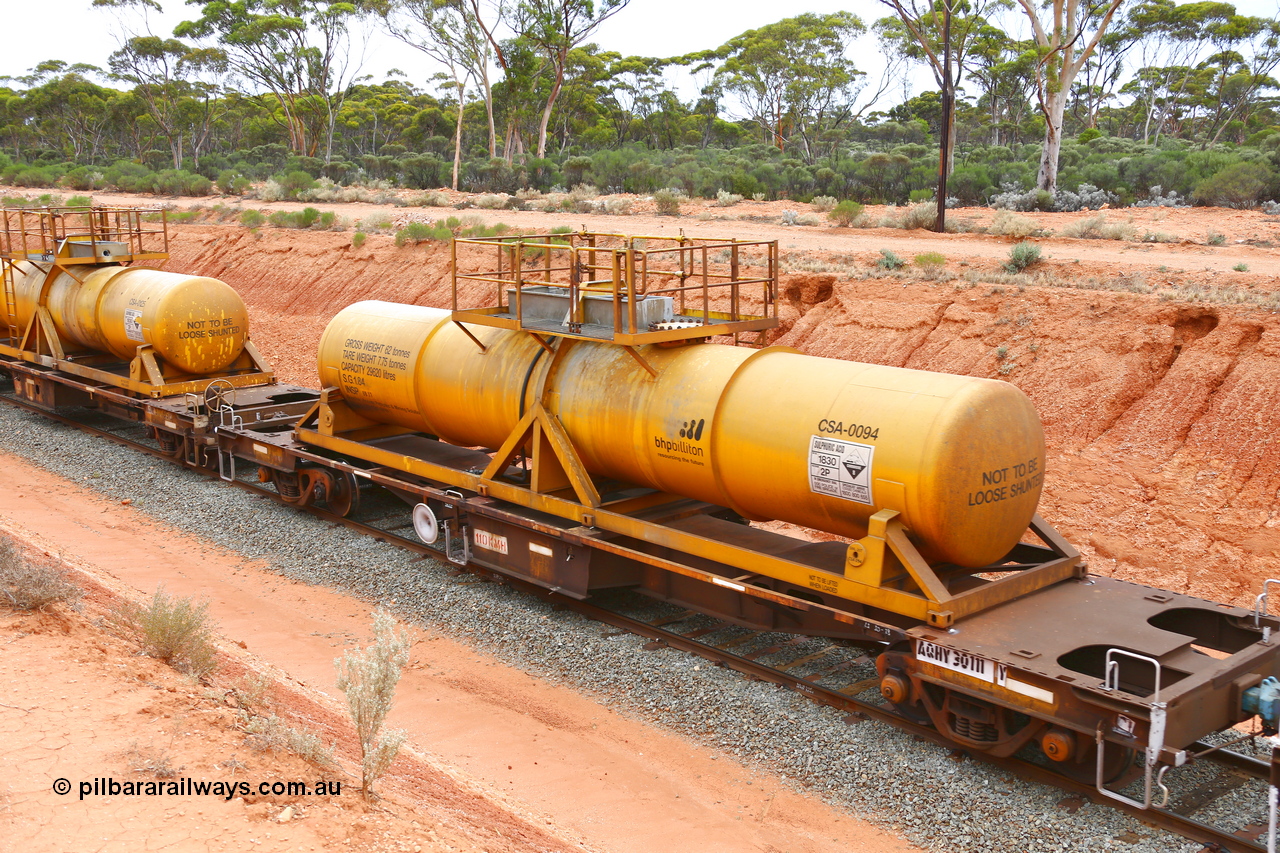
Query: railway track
[(824, 671)]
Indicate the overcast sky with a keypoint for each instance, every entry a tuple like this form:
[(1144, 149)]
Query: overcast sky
[(72, 31)]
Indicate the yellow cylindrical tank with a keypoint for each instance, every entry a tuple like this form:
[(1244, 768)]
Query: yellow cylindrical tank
[(197, 324), (774, 434)]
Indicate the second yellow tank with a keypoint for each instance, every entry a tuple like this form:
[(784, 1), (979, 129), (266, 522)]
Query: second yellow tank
[(771, 433)]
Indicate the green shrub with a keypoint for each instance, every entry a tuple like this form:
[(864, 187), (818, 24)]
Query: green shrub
[(889, 261), (1021, 256), (358, 238), (1238, 185), (1241, 267), (931, 261), (295, 182), (252, 219), (846, 214), (174, 630), (1215, 238), (31, 176), (327, 219), (80, 201), (421, 232), (83, 178), (231, 182)]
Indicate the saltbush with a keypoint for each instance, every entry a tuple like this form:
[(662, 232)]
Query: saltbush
[(889, 261), (1022, 256)]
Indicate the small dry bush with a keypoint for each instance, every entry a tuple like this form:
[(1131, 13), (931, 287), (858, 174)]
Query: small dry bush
[(148, 759), (28, 585), (379, 223), (668, 202), (724, 198), (430, 199), (1097, 227), (492, 201), (924, 215), (823, 203), (174, 630), (272, 733), (617, 206), (1006, 223), (369, 677)]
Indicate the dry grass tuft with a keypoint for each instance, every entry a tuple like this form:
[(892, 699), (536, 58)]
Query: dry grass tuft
[(1097, 227), (29, 585)]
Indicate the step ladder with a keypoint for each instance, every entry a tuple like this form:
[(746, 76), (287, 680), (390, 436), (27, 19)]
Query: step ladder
[(10, 301)]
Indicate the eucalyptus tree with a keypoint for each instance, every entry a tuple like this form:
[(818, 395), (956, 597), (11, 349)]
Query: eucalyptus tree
[(1066, 33), (791, 76), (299, 51), (1239, 73), (1170, 39), (62, 109), (940, 33), (553, 28), (446, 31), (164, 74)]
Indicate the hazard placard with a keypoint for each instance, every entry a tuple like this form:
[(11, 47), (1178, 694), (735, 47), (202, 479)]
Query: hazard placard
[(841, 469)]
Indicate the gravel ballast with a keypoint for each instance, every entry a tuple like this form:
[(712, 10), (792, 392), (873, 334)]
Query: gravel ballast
[(935, 799)]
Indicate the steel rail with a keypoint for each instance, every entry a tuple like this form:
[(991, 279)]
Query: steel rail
[(1182, 825)]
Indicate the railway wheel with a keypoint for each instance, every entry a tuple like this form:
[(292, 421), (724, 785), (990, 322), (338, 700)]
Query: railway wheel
[(342, 493), (425, 524), (896, 687)]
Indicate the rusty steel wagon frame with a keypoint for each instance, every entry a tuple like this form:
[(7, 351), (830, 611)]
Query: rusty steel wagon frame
[(59, 240)]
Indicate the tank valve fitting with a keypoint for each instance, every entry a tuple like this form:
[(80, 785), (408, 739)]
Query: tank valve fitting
[(1264, 700)]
